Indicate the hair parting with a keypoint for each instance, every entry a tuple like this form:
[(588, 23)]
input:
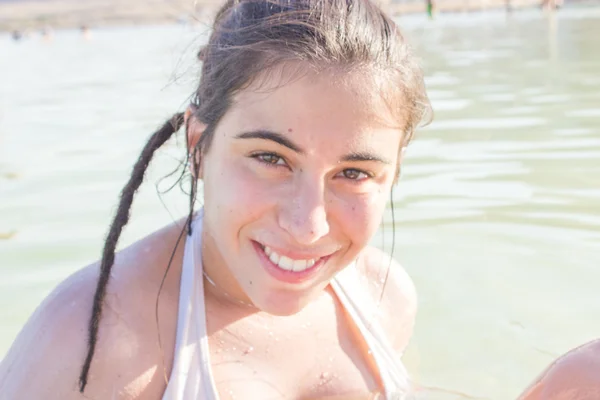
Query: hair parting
[(119, 221)]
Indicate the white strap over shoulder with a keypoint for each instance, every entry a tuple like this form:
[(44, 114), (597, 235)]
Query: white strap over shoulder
[(351, 289), (190, 376)]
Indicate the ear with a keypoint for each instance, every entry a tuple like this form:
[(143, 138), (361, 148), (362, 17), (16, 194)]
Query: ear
[(193, 132)]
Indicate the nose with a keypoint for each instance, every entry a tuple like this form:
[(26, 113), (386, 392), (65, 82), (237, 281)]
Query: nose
[(304, 215)]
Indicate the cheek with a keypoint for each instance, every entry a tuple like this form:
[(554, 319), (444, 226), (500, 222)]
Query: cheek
[(233, 186), (233, 196), (360, 217)]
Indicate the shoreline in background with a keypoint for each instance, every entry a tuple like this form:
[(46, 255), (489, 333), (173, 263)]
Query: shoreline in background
[(30, 15)]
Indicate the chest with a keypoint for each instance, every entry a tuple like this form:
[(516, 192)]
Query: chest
[(317, 353)]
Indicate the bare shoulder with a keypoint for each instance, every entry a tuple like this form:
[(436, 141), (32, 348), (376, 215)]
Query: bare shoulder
[(46, 358), (389, 282), (573, 376)]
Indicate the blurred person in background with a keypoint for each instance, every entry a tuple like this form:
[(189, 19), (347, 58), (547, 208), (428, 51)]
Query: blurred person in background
[(573, 376)]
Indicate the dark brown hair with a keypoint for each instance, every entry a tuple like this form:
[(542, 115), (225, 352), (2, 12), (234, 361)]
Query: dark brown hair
[(249, 40)]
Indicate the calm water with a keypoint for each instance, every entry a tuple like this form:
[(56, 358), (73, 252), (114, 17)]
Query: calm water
[(497, 211)]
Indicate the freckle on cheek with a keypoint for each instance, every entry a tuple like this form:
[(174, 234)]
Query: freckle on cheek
[(290, 130)]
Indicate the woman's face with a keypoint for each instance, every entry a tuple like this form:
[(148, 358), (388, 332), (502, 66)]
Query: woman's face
[(295, 185)]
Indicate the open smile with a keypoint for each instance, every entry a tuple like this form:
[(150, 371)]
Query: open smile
[(286, 268)]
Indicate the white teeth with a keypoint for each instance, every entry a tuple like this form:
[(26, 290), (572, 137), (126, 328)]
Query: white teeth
[(300, 265), (287, 263), (274, 257)]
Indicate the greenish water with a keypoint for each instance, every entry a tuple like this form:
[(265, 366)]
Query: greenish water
[(497, 211)]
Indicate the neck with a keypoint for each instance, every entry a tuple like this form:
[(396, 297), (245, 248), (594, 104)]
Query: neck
[(222, 296), (219, 282)]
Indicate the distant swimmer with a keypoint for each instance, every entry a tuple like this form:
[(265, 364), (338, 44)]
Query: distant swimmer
[(17, 35), (551, 4), (47, 33), (430, 8), (85, 31)]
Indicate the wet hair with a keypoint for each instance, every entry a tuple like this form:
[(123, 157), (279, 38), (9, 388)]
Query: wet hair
[(250, 39)]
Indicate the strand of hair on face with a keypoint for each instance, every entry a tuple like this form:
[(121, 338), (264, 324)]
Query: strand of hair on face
[(387, 272), (119, 221)]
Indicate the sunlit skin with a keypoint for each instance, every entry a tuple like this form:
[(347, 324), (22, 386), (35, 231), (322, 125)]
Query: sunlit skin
[(573, 376), (305, 169)]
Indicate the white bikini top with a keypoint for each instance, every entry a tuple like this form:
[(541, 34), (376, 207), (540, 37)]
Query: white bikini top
[(191, 376)]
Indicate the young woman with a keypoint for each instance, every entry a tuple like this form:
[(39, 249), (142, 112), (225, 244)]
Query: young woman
[(269, 290)]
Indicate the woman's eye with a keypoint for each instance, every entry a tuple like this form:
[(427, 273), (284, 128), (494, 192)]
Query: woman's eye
[(354, 174), (269, 158)]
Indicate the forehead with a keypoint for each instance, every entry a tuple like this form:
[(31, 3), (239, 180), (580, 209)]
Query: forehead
[(316, 103)]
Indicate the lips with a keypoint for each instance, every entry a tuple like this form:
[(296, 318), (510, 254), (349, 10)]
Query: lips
[(284, 268), (287, 263)]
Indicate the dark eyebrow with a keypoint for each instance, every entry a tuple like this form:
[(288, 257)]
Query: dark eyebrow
[(284, 141), (272, 136), (363, 156)]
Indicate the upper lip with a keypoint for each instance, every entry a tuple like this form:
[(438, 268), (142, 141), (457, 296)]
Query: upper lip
[(297, 255)]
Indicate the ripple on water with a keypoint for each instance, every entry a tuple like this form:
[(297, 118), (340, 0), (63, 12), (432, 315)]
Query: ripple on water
[(450, 105), (551, 99), (442, 79), (586, 112), (519, 110), (488, 123), (499, 97)]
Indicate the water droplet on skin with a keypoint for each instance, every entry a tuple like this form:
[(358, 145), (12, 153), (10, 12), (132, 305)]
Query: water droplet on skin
[(233, 348), (248, 350), (382, 281), (277, 339), (221, 342), (270, 333), (331, 359), (324, 375)]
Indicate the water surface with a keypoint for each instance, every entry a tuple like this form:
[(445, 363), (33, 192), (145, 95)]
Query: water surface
[(497, 211)]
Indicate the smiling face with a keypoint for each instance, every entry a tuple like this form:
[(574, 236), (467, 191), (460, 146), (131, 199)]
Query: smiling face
[(295, 184)]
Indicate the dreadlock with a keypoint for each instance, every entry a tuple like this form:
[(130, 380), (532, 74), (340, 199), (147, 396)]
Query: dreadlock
[(119, 221)]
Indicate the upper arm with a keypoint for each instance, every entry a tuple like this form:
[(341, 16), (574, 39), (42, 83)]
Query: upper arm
[(44, 360), (573, 376), (389, 282)]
